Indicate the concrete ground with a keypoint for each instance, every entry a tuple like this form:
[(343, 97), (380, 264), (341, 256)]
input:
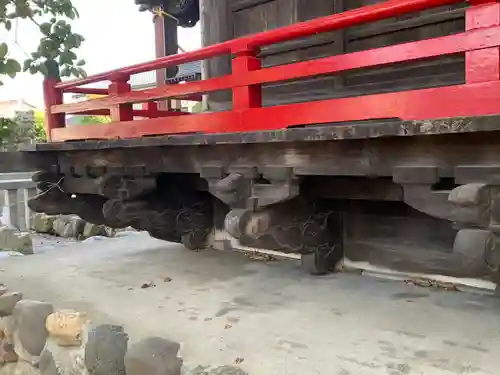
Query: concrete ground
[(271, 317)]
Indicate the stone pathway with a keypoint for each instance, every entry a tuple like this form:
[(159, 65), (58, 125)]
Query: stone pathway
[(35, 340)]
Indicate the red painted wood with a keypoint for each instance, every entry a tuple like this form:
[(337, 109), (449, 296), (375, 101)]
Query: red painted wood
[(52, 96), (249, 96), (95, 112), (193, 98), (370, 13), (151, 109), (124, 111), (452, 101), (87, 91), (160, 113), (480, 38), (148, 113), (483, 65)]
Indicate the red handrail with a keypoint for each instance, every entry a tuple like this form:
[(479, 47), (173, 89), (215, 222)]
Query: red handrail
[(478, 96), (476, 39), (370, 13)]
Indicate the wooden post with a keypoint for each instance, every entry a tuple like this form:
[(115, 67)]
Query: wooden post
[(216, 26), (121, 112), (52, 96), (166, 43), (247, 96)]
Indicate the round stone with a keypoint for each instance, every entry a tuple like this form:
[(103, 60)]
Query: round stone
[(8, 301), (66, 327), (47, 365), (28, 328)]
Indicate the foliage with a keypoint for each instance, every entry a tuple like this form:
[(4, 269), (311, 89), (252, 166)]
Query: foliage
[(89, 120), (11, 134), (16, 131), (55, 56), (197, 108), (39, 134), (7, 131)]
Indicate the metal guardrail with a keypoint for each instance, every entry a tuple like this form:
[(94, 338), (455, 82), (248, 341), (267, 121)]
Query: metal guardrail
[(15, 191)]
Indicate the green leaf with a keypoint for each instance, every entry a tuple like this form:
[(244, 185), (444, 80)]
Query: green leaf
[(27, 65), (66, 72), (23, 10), (45, 28), (67, 57), (42, 68), (82, 72), (12, 67), (4, 49), (58, 41)]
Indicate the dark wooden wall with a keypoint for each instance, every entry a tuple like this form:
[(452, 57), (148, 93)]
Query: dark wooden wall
[(225, 19)]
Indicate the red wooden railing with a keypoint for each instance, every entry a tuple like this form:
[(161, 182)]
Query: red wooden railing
[(480, 95)]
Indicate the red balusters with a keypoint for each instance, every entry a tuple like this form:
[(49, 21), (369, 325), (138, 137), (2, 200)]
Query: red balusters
[(52, 96), (121, 112), (245, 97)]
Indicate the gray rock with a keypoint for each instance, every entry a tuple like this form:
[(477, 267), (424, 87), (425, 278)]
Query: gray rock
[(5, 326), (110, 232), (94, 239), (8, 369), (28, 328), (42, 223), (13, 240), (59, 360), (91, 230), (7, 353), (8, 301), (126, 233), (153, 356), (222, 370), (69, 226), (19, 368), (105, 350), (47, 365)]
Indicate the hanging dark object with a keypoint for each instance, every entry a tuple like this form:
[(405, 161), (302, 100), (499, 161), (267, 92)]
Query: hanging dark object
[(187, 12)]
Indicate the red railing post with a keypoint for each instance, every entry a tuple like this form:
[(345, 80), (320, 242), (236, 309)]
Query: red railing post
[(482, 65), (246, 97), (120, 112), (52, 96)]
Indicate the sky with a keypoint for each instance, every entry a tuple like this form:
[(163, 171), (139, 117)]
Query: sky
[(116, 34)]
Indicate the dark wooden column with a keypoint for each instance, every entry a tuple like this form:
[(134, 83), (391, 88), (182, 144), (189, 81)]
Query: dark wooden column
[(216, 26), (166, 44)]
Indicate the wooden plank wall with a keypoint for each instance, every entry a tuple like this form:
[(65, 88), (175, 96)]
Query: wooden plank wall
[(224, 19)]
